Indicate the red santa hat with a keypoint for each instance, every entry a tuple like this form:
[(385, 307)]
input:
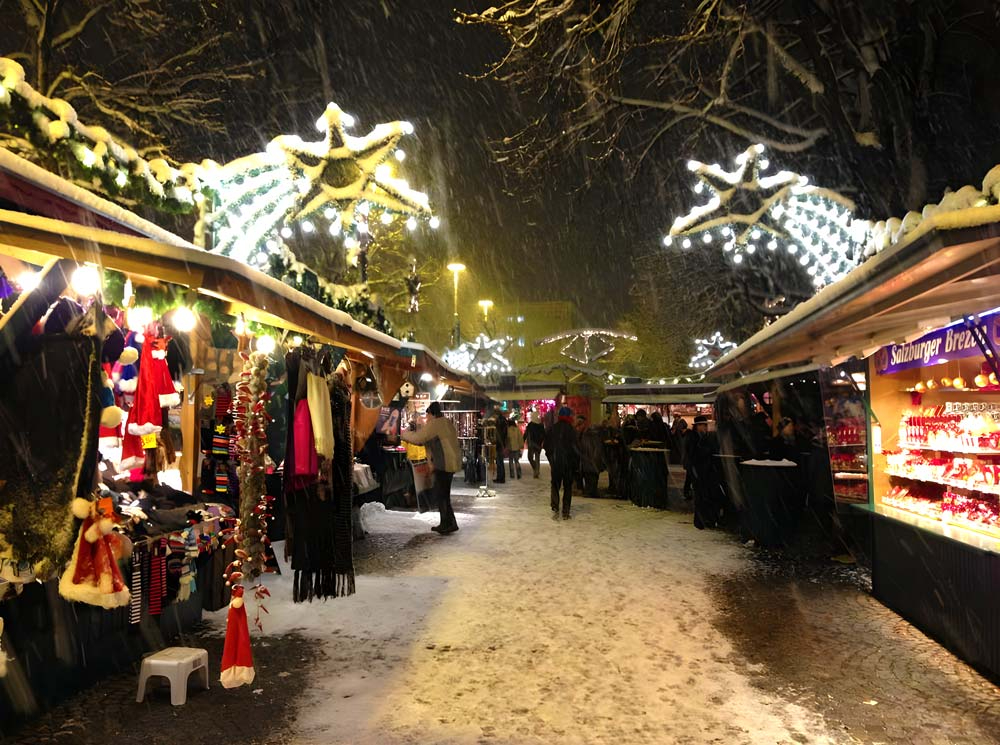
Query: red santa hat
[(237, 657), (154, 391)]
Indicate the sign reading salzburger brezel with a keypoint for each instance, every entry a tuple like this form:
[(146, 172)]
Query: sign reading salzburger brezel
[(950, 343)]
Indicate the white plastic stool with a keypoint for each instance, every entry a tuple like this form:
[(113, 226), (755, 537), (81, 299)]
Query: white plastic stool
[(175, 664)]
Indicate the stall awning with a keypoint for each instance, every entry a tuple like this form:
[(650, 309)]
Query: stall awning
[(944, 270), (660, 393), (763, 376), (525, 394), (661, 398)]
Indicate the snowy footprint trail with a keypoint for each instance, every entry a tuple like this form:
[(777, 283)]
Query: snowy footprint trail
[(522, 629)]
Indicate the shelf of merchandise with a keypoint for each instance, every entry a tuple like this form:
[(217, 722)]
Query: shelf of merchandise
[(948, 449), (987, 539), (847, 445), (985, 489), (851, 475)]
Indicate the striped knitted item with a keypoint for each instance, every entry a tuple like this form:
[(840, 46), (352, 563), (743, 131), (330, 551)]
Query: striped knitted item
[(157, 578), (222, 479), (220, 444), (223, 402), (135, 601)]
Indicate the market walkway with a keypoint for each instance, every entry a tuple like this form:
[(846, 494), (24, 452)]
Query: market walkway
[(621, 625)]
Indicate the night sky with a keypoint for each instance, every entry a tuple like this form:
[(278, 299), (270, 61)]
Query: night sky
[(411, 60)]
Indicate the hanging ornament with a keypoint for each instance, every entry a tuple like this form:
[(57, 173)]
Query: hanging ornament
[(586, 345)]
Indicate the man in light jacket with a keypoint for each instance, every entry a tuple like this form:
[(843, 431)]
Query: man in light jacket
[(438, 435)]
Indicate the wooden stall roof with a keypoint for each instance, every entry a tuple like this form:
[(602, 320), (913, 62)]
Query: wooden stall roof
[(947, 269), (87, 228)]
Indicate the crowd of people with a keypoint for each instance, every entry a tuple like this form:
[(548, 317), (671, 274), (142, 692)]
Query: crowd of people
[(577, 451)]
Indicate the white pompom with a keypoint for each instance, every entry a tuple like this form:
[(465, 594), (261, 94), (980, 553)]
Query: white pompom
[(92, 534), (106, 525), (80, 508)]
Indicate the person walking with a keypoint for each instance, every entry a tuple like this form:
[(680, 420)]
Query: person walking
[(515, 444), (501, 441), (534, 435), (561, 451), (438, 435)]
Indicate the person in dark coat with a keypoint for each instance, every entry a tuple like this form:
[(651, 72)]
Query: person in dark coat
[(561, 451), (534, 437), (502, 444), (658, 431), (701, 449), (591, 448)]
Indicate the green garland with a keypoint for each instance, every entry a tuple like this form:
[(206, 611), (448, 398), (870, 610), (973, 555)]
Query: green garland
[(107, 176), (360, 308)]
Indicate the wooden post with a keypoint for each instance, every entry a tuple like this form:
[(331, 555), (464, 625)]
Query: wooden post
[(191, 411)]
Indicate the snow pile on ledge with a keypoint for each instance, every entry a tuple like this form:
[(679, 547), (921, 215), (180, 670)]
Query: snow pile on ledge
[(969, 200)]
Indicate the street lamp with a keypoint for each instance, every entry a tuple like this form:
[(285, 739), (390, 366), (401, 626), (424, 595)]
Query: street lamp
[(455, 268), (486, 305)]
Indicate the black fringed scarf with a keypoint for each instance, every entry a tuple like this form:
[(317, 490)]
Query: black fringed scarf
[(318, 517)]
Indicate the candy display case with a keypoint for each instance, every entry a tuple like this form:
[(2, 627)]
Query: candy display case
[(846, 427)]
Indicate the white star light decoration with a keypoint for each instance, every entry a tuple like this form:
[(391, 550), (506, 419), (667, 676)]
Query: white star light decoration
[(709, 351), (482, 357), (583, 338), (259, 197), (747, 212)]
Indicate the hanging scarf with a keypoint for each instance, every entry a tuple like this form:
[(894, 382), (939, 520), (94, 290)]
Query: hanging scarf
[(318, 515)]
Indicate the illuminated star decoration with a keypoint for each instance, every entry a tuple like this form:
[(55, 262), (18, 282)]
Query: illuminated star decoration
[(709, 351), (747, 211), (258, 198), (586, 345), (482, 357)]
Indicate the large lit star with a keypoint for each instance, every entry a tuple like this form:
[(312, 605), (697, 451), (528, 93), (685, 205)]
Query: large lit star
[(260, 198), (586, 345), (747, 211), (482, 357), (709, 351)]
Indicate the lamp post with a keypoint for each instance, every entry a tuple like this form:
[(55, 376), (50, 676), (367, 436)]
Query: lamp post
[(486, 305), (455, 268)]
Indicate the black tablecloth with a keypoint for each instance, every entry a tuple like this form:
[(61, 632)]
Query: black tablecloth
[(648, 478), (773, 502)]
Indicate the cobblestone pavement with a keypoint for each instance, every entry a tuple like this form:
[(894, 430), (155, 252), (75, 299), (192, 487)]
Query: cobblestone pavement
[(812, 634), (620, 626)]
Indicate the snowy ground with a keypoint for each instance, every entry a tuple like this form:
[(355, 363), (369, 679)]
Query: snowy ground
[(522, 629)]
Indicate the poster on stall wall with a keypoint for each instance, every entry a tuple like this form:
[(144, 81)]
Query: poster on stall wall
[(388, 422), (936, 347)]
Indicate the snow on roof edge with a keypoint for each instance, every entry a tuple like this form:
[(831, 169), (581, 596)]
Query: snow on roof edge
[(59, 186)]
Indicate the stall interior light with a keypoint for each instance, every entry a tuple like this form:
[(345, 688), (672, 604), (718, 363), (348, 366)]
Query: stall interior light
[(28, 280), (426, 377), (85, 281), (265, 344), (184, 319)]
